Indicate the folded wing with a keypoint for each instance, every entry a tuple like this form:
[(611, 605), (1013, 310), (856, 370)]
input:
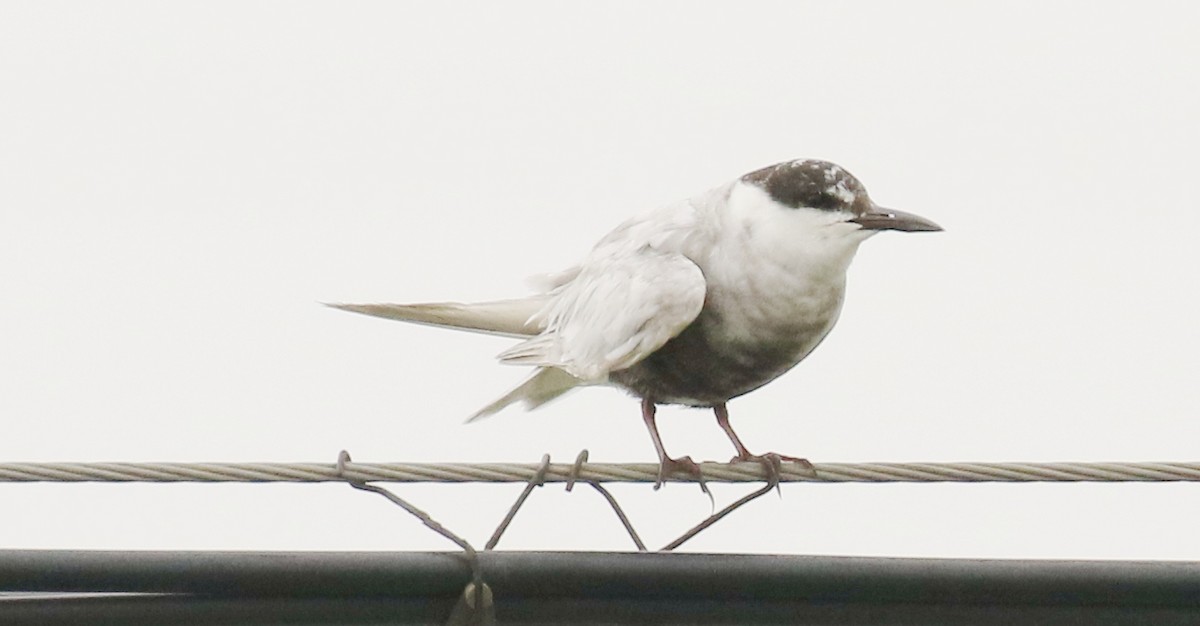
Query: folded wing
[(605, 316), (616, 312)]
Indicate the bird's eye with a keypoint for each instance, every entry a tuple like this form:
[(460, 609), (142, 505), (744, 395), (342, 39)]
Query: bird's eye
[(826, 200)]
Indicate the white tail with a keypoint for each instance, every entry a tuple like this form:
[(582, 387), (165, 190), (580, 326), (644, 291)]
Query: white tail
[(546, 384), (509, 318)]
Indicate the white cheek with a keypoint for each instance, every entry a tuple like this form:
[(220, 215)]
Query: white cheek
[(793, 238), (851, 231)]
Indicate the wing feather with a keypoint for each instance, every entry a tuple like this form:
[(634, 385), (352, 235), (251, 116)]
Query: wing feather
[(614, 313)]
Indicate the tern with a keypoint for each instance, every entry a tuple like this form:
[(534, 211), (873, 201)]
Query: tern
[(693, 303)]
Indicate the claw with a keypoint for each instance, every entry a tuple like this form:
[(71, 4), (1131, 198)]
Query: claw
[(774, 467), (772, 463), (683, 465)]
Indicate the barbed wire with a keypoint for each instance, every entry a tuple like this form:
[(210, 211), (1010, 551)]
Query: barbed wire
[(597, 472)]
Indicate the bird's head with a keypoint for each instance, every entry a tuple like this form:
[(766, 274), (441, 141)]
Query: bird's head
[(826, 194), (809, 216)]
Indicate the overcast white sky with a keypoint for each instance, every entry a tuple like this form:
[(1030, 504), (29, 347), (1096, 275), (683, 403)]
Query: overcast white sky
[(182, 183)]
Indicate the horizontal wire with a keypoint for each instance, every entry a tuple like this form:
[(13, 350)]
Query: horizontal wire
[(594, 472)]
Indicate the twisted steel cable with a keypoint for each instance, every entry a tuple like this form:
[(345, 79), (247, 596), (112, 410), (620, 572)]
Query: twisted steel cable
[(595, 472)]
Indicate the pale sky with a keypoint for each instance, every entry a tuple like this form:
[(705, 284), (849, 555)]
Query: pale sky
[(182, 183)]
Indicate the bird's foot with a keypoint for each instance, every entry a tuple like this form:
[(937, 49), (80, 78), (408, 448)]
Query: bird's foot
[(804, 464), (772, 463), (683, 465)]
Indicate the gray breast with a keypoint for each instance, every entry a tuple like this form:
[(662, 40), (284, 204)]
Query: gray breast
[(702, 367)]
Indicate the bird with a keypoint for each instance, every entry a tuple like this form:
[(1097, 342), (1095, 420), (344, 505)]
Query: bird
[(693, 303)]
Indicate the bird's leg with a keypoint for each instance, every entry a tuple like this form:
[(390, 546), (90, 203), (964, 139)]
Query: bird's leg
[(742, 453), (723, 421), (667, 465)]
